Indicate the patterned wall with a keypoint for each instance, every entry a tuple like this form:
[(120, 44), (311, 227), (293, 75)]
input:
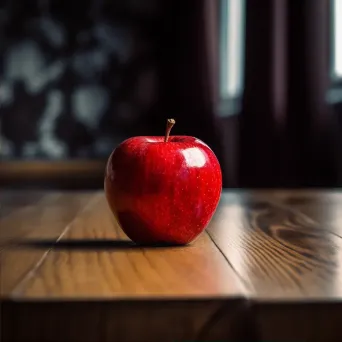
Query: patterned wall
[(75, 80)]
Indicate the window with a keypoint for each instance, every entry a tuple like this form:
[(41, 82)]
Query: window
[(232, 23), (337, 39), (334, 94)]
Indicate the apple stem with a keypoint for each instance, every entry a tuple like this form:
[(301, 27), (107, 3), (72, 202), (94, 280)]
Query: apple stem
[(169, 125)]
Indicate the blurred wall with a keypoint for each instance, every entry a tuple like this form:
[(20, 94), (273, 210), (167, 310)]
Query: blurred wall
[(77, 79)]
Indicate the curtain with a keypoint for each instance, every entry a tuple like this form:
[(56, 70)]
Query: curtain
[(287, 132), (190, 71)]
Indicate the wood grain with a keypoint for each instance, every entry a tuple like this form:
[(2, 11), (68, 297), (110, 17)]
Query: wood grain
[(48, 218), (9, 202), (20, 198), (268, 268), (12, 200), (322, 208), (312, 321), (37, 169), (132, 293), (277, 252), (317, 318), (94, 259), (67, 175), (133, 321), (286, 246)]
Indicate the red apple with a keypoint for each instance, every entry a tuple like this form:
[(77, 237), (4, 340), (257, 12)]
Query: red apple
[(163, 190)]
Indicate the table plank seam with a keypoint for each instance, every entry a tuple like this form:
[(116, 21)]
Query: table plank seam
[(243, 283), (19, 288), (286, 254)]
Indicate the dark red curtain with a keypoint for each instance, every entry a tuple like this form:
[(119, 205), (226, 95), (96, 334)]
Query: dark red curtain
[(285, 134), (190, 92), (287, 130)]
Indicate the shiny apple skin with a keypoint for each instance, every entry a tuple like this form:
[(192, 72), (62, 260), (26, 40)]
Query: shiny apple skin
[(163, 192)]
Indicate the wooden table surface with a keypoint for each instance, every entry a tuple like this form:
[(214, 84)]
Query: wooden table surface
[(267, 268)]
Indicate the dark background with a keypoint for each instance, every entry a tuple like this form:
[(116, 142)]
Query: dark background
[(78, 79)]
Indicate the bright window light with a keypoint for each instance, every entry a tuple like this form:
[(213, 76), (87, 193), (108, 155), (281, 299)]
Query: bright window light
[(232, 43), (337, 68)]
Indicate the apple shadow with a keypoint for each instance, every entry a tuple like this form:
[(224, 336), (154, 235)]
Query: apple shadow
[(86, 244)]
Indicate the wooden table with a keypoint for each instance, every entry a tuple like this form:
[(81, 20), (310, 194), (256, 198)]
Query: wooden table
[(267, 268)]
